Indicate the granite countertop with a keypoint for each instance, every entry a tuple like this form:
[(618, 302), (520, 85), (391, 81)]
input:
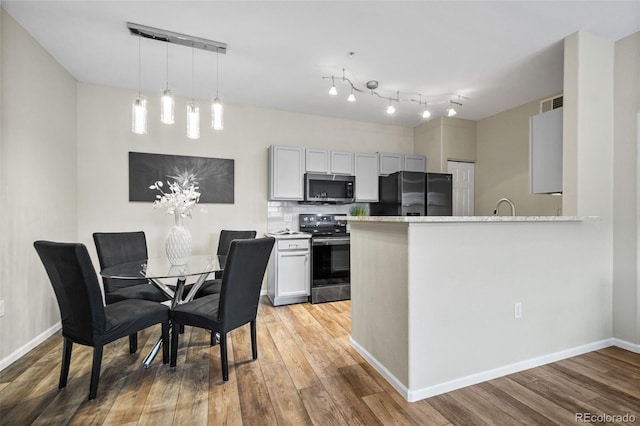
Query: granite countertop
[(461, 219)]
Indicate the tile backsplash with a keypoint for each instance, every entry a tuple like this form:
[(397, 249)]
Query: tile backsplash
[(284, 214)]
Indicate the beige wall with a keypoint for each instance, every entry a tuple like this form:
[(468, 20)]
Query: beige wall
[(442, 139), (502, 167), (626, 192), (105, 138), (38, 183)]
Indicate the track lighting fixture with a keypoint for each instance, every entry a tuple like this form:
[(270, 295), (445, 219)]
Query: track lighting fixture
[(139, 107), (216, 106), (426, 111), (167, 108), (333, 91), (451, 110)]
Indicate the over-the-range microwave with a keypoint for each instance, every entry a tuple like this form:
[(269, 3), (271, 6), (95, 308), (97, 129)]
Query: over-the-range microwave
[(329, 188)]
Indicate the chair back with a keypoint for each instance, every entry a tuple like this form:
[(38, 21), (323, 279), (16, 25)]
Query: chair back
[(227, 236), (77, 289), (242, 281), (119, 247)]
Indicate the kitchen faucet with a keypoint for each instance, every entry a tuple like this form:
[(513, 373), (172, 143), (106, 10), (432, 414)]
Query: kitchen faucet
[(505, 200)]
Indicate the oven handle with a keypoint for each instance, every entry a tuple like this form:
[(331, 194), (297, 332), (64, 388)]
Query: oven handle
[(330, 241)]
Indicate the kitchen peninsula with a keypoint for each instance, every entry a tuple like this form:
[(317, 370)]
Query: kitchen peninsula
[(439, 303)]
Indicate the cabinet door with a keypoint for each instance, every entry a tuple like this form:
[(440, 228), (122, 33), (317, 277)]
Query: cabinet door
[(366, 168), (286, 173), (545, 152), (389, 163), (342, 162), (415, 163), (293, 273), (317, 160)]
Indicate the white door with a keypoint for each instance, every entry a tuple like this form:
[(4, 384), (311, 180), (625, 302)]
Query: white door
[(463, 188)]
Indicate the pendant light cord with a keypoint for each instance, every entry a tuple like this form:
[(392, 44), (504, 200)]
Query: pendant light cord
[(217, 73), (193, 73), (139, 66), (167, 66)]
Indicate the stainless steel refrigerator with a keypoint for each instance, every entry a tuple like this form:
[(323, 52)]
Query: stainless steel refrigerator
[(414, 194)]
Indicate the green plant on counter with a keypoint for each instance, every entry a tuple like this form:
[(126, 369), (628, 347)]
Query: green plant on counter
[(357, 211)]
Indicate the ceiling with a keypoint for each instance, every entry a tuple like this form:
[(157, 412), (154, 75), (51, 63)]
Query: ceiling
[(498, 54)]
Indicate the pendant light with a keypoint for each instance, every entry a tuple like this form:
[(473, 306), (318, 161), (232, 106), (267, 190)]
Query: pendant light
[(425, 113), (352, 97), (333, 91), (168, 104), (216, 107), (139, 107), (193, 110)]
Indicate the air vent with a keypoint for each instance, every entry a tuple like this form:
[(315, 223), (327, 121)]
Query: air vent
[(551, 103)]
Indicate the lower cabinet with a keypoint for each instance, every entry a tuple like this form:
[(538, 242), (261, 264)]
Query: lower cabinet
[(288, 273)]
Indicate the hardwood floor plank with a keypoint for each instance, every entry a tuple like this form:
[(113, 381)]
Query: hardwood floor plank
[(326, 320), (387, 411), (193, 399), (549, 376), (347, 400), (528, 397), (483, 408), (297, 364), (359, 380), (613, 378), (224, 399), (621, 354), (255, 401), (287, 404), (619, 364), (160, 405), (267, 350), (456, 413), (320, 406)]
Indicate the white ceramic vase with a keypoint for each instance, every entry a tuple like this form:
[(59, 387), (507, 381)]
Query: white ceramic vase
[(178, 245)]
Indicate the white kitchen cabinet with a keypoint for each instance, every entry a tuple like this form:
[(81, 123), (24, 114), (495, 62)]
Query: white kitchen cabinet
[(414, 163), (317, 160), (389, 163), (286, 173), (545, 152), (342, 163), (366, 172), (288, 272)]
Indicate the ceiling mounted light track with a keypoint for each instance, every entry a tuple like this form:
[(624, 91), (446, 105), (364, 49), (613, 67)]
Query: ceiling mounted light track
[(372, 89), (177, 38)]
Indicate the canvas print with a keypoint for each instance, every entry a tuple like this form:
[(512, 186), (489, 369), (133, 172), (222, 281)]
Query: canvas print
[(214, 176)]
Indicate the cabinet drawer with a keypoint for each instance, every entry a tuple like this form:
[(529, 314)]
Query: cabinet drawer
[(293, 244)]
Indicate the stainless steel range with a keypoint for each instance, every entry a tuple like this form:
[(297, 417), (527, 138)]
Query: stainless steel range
[(330, 257)]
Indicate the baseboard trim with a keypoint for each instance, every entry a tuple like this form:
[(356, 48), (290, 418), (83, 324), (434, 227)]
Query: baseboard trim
[(397, 384), (632, 347), (440, 388), (20, 352)]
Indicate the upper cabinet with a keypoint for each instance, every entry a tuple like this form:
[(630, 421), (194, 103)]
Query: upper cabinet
[(342, 163), (391, 163), (366, 168), (545, 152), (286, 173), (317, 160), (414, 163)]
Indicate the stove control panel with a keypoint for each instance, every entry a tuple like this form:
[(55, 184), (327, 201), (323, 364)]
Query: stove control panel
[(322, 224)]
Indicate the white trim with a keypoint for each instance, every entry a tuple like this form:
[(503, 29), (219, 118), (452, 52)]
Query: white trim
[(20, 352), (440, 388), (402, 389), (626, 345)]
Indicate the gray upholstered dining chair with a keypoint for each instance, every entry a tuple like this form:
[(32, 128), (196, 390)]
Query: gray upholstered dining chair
[(224, 242), (237, 302), (85, 320)]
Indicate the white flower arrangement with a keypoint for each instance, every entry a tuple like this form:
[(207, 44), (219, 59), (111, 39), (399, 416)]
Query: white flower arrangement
[(179, 200)]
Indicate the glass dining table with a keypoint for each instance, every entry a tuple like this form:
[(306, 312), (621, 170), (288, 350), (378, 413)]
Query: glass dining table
[(169, 279)]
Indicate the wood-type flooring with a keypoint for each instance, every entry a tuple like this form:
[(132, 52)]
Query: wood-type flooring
[(306, 373)]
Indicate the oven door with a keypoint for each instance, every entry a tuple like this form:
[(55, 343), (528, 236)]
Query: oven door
[(330, 269)]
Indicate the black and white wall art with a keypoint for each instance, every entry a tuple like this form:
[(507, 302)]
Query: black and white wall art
[(214, 176)]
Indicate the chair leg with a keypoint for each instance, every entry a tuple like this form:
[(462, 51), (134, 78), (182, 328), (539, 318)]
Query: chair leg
[(165, 342), (254, 343), (174, 344), (66, 360), (95, 372), (181, 328), (223, 356), (133, 343)]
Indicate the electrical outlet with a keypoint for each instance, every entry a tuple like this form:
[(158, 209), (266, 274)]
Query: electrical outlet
[(1, 308), (517, 310)]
